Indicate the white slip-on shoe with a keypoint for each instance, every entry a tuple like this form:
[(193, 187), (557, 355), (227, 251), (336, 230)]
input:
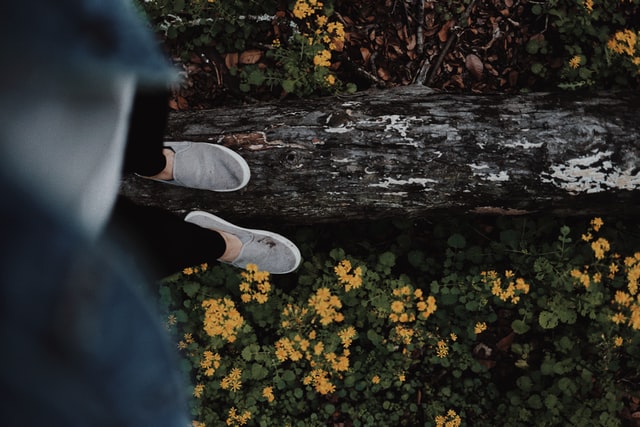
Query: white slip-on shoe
[(269, 251), (207, 167)]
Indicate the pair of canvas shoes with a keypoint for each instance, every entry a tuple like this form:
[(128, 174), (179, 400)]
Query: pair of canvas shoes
[(216, 168)]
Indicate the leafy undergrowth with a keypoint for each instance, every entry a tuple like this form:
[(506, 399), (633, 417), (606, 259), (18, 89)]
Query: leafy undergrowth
[(480, 322), (236, 51)]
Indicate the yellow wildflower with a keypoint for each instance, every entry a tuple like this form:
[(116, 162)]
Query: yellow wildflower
[(267, 393), (326, 306), (599, 247), (375, 379), (618, 341), (172, 320), (618, 318), (235, 419), (597, 223), (442, 350), (451, 419), (322, 58), (346, 335), (233, 381), (453, 336), (195, 423), (197, 391), (588, 5), (623, 42), (575, 63), (351, 279), (397, 306), (480, 327)]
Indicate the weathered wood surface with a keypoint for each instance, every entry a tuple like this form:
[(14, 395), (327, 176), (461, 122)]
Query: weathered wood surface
[(413, 152)]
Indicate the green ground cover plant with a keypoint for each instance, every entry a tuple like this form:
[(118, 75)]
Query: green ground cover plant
[(505, 322), (294, 47)]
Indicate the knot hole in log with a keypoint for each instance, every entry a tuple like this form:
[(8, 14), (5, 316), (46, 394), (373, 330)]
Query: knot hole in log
[(292, 159)]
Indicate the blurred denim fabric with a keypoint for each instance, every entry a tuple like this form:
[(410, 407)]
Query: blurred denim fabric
[(80, 344)]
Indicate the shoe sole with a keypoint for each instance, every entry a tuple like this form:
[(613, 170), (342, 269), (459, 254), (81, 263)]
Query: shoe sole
[(225, 226)]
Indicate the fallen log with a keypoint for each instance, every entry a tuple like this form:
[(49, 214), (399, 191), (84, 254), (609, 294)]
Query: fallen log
[(411, 152)]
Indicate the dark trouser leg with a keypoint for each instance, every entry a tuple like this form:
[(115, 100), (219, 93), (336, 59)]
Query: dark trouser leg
[(163, 241), (147, 126)]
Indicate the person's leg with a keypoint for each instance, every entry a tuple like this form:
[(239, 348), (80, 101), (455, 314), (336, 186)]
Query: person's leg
[(163, 241), (147, 125)]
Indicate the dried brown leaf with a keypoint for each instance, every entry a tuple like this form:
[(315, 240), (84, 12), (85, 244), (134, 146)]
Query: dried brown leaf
[(365, 53), (443, 34), (231, 60), (251, 56), (474, 65)]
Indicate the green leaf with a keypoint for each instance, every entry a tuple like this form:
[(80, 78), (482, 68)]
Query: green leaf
[(191, 288), (457, 241), (256, 78), (524, 383), (550, 401), (387, 259), (289, 85), (258, 371), (548, 320), (519, 327), (534, 402)]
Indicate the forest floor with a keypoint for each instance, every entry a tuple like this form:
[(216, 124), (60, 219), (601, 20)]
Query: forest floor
[(481, 49)]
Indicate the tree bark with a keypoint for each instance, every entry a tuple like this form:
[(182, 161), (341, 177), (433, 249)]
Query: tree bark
[(413, 152)]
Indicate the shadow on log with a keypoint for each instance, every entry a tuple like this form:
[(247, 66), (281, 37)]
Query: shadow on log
[(413, 152)]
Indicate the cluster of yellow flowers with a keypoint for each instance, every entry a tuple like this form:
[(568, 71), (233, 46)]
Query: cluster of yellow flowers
[(196, 269), (452, 419), (210, 362), (599, 247), (514, 289), (350, 279), (319, 379), (326, 305), (221, 318), (628, 301), (329, 34), (185, 341), (402, 308), (625, 42), (294, 316), (255, 285), (312, 350), (306, 8), (442, 349), (322, 58), (233, 381), (409, 306), (235, 419)]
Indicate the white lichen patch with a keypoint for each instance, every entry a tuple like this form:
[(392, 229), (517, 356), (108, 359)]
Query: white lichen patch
[(339, 129), (498, 177), (522, 142), (484, 172), (592, 173), (424, 182)]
